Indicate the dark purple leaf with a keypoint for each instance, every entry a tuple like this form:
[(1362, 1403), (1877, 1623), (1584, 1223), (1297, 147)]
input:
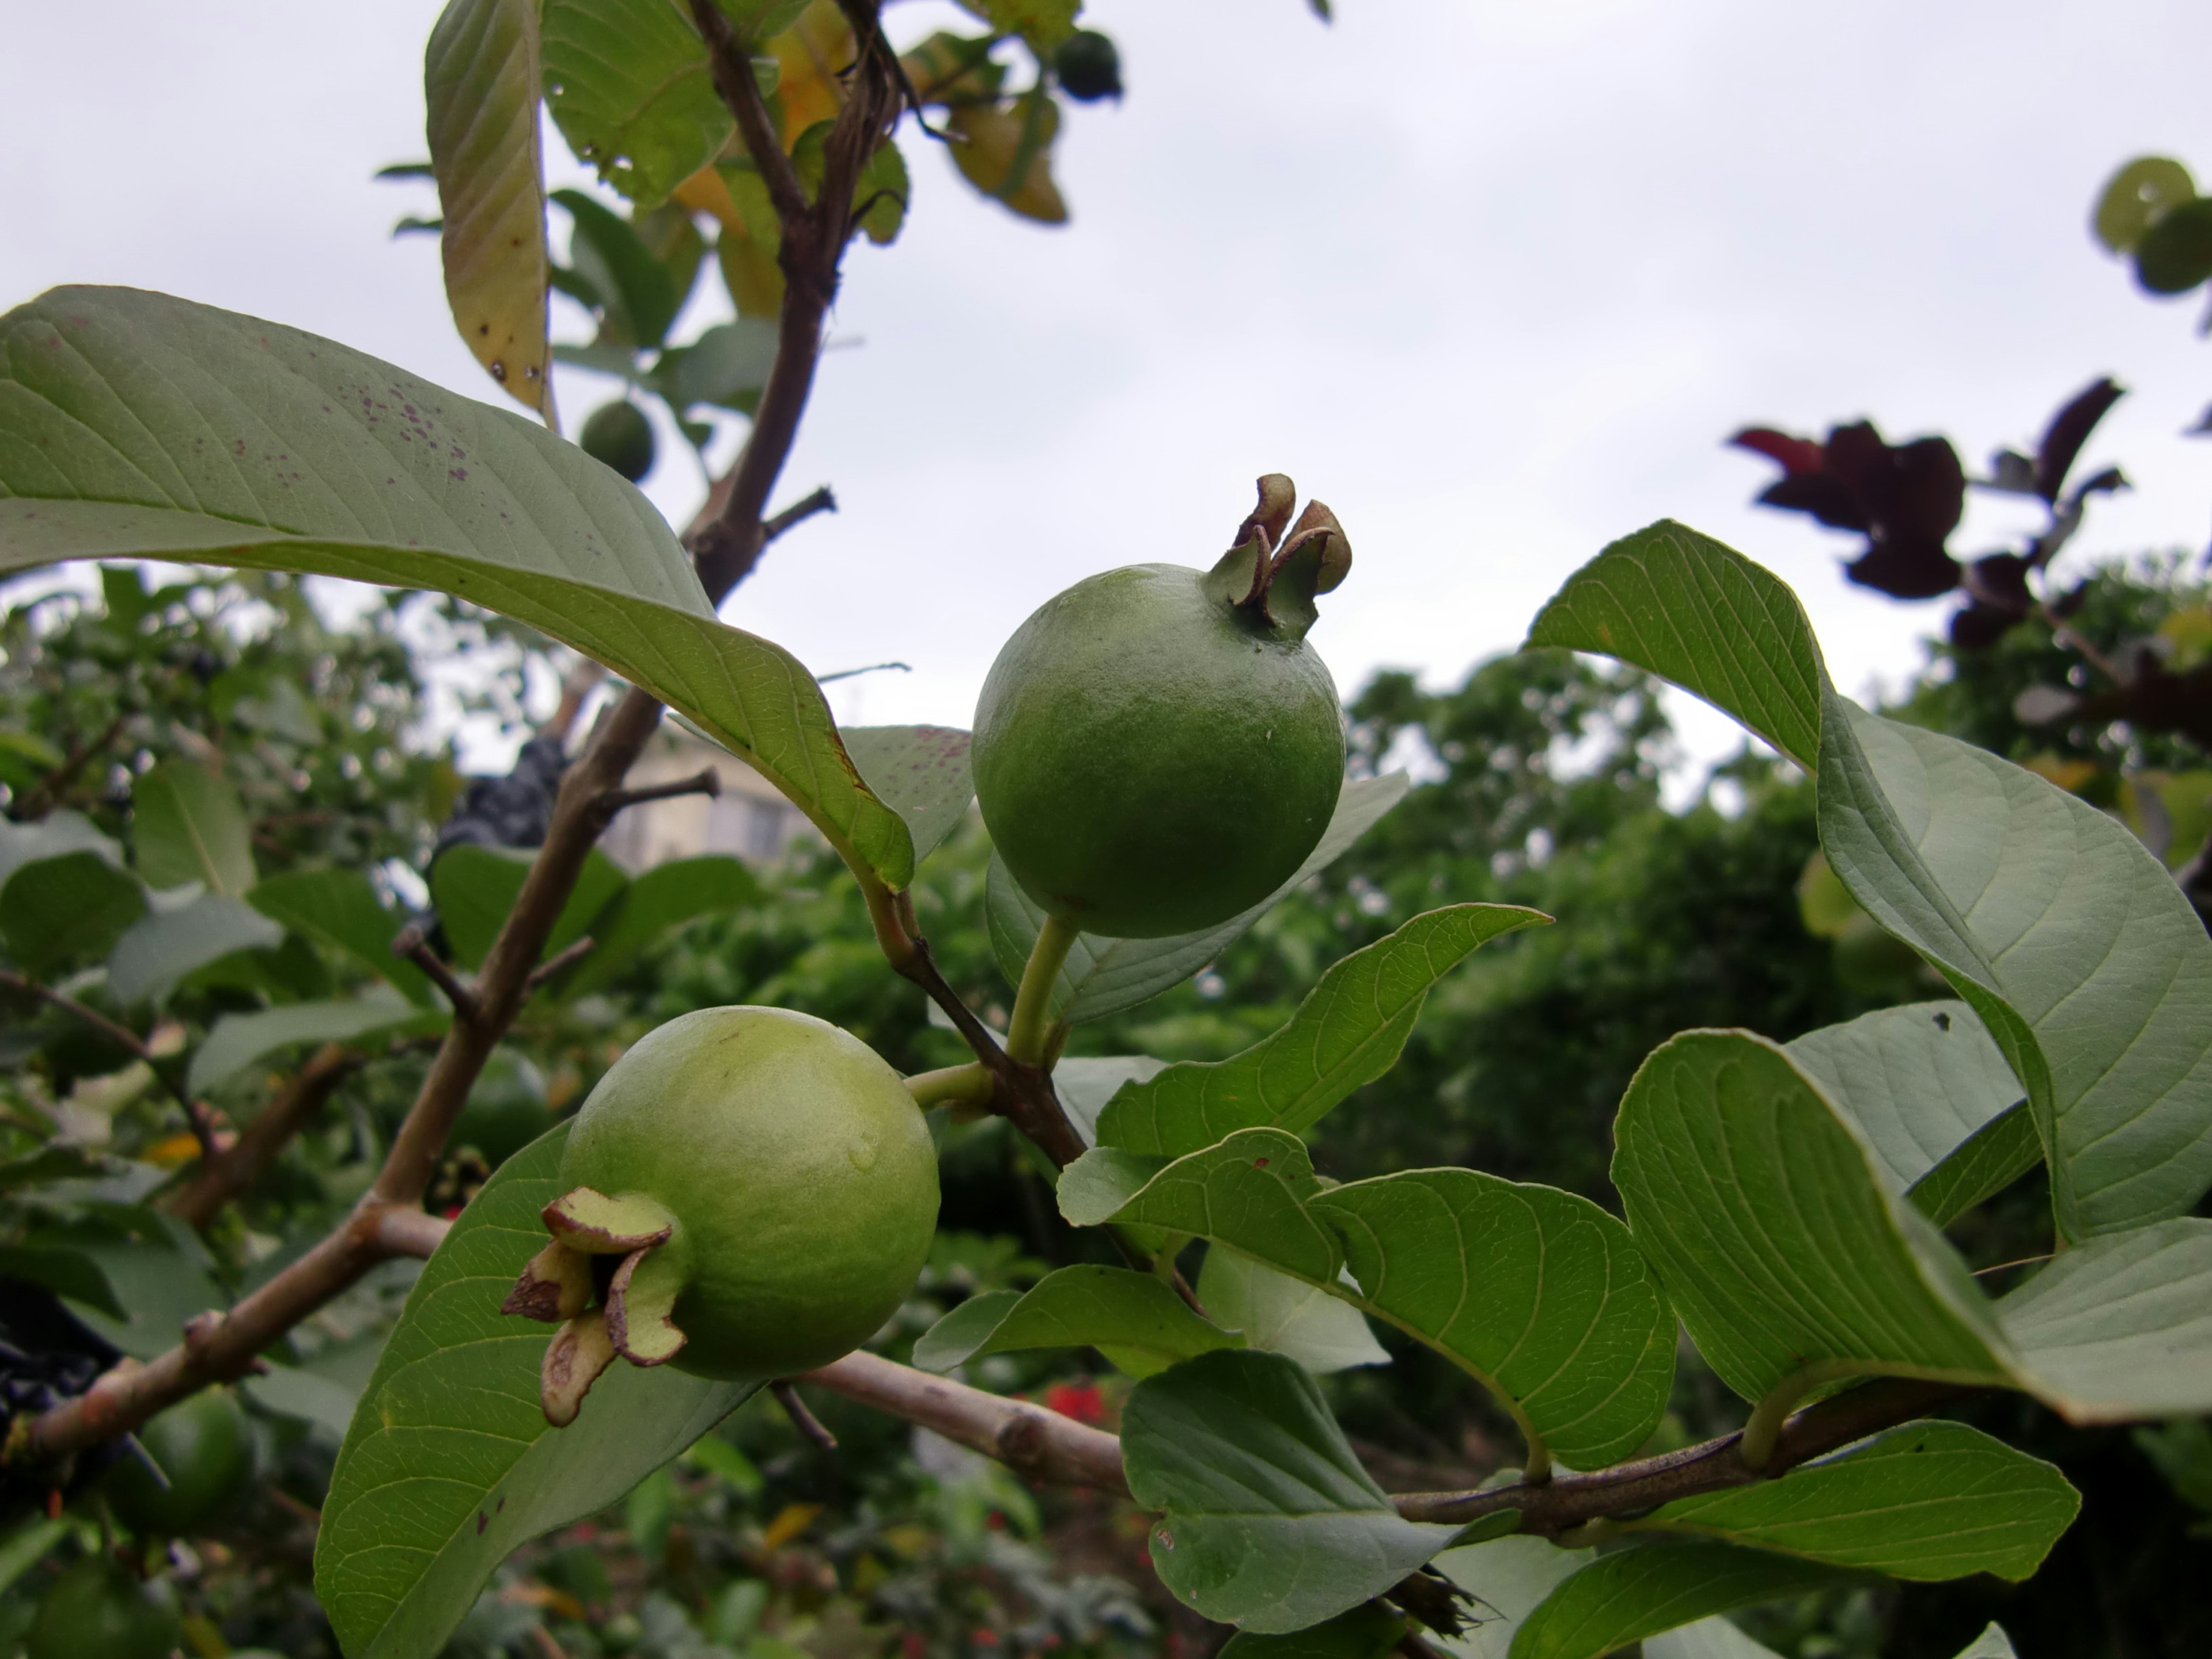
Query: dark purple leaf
[(2068, 430)]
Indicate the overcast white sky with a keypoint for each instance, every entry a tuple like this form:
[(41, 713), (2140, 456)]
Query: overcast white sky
[(1494, 279)]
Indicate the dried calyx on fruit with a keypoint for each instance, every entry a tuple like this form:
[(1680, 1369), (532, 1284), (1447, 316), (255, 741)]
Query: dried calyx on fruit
[(751, 1193), (1157, 748)]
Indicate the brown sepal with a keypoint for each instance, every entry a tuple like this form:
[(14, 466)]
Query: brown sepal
[(555, 1286), (579, 1351)]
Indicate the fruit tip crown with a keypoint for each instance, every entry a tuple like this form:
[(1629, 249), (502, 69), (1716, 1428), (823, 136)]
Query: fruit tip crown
[(1272, 575)]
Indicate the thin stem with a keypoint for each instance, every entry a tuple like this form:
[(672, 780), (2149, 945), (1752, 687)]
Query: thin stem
[(798, 513), (809, 1426), (706, 781), (1030, 1029), (560, 962), (409, 944)]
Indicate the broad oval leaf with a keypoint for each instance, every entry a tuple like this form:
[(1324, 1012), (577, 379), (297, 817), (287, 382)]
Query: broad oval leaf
[(1348, 1031), (1248, 1193), (628, 85), (1631, 1594), (449, 1465), (188, 825), (1113, 1308), (1104, 976), (1780, 1246), (236, 1042), (662, 897), (339, 907), (133, 425), (480, 81), (2120, 1327), (1539, 1293), (1920, 1081), (1924, 1500), (66, 908), (1278, 1314), (165, 944), (60, 831), (921, 772), (474, 888), (1270, 1521)]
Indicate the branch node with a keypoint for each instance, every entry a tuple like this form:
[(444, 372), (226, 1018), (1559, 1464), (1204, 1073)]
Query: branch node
[(706, 781), (559, 962), (411, 944)]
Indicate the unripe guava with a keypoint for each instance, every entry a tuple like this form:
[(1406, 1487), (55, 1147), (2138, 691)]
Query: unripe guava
[(618, 435), (204, 1447), (98, 1608), (769, 1188), (1158, 749), (1088, 66)]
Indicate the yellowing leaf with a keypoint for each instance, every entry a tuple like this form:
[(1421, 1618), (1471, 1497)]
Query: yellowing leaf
[(792, 1520), (811, 53), (1005, 152)]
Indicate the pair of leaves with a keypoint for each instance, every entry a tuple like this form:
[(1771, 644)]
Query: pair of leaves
[(137, 426), (1792, 1260), (449, 1464), (2091, 971), (1104, 976)]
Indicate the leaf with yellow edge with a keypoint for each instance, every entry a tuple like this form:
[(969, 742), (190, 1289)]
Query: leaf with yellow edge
[(1005, 152)]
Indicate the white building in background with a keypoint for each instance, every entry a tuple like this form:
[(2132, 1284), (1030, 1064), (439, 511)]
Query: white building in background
[(748, 819)]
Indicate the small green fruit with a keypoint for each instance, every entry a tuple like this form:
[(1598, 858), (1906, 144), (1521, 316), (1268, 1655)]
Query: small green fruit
[(205, 1446), (767, 1187), (97, 1607), (1088, 67), (1157, 748), (618, 435)]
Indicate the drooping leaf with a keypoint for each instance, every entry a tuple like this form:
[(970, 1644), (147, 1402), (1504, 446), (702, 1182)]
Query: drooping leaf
[(339, 907), (1348, 1031), (1919, 1081), (1270, 1521), (2091, 971), (1368, 1632), (1247, 1192), (921, 771), (475, 887), (187, 825), (2120, 1325), (449, 1465), (1696, 612), (70, 907), (1630, 1594), (236, 1042), (1143, 1325), (166, 944), (1278, 1314), (1538, 1293), (1104, 976), (1924, 1500), (480, 80), (664, 896), (628, 85), (133, 425), (1779, 1245), (1005, 150)]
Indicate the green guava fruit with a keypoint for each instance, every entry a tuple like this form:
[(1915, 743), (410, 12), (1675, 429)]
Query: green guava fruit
[(751, 1193), (1158, 749), (1088, 66), (205, 1448), (98, 1608), (618, 435)]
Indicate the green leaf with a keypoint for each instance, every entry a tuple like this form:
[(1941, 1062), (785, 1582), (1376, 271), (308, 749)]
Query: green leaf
[(480, 81), (726, 366), (1511, 1576), (2092, 972), (1126, 1313), (186, 825), (1984, 1164), (64, 1271), (1539, 1293), (662, 897), (137, 426), (1246, 1193), (2120, 1327), (1347, 1032), (1780, 1246), (1707, 1638), (340, 909), (1270, 1521), (638, 299), (1278, 1314), (449, 1465), (921, 771), (1043, 23), (1104, 976), (2090, 969), (1635, 1593), (1696, 612), (1924, 1501), (755, 21), (165, 944), (2136, 196), (628, 85), (881, 193), (160, 1274), (1368, 1632), (1991, 1644), (474, 888), (1085, 1084), (236, 1042), (1919, 1081), (58, 832), (68, 909)]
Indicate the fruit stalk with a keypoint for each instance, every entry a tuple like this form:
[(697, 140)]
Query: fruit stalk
[(1028, 1032)]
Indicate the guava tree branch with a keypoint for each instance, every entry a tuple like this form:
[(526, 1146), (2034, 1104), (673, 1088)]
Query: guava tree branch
[(230, 1172)]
